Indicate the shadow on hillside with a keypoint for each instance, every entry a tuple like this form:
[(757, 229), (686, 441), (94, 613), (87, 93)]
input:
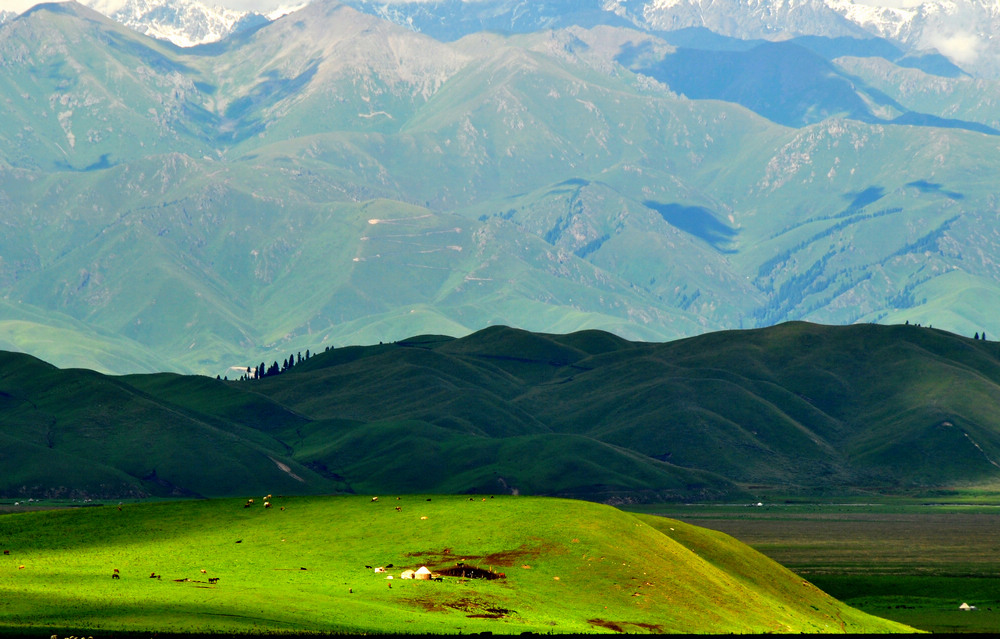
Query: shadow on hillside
[(696, 220)]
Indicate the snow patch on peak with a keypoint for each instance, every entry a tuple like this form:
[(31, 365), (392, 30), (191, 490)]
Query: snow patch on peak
[(888, 22), (186, 23), (282, 10), (961, 30)]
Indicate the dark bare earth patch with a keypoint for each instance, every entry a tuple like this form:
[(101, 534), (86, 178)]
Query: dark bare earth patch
[(619, 626)]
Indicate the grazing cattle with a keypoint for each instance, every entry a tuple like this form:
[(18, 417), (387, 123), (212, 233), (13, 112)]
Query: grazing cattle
[(282, 507), (115, 575), (153, 575), (6, 552), (203, 571), (388, 565), (374, 498), (398, 509), (21, 567), (213, 580), (267, 504), (380, 569)]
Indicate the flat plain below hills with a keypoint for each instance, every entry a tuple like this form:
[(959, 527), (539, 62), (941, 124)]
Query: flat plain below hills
[(307, 564), (911, 560)]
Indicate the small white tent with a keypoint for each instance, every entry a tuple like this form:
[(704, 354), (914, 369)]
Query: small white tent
[(422, 573)]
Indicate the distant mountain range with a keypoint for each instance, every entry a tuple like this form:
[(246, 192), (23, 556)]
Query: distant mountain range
[(331, 177), (961, 30), (795, 410)]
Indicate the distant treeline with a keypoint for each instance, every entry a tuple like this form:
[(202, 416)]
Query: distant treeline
[(262, 370)]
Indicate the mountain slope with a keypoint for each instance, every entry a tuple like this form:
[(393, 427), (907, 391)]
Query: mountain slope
[(794, 409), (334, 178), (105, 437)]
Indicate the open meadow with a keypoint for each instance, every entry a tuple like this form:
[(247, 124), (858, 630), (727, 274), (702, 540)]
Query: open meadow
[(913, 561), (309, 564)]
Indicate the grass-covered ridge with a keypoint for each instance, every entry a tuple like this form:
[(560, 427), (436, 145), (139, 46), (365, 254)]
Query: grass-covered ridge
[(796, 409), (301, 566)]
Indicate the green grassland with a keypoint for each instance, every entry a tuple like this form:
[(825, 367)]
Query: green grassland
[(300, 566), (905, 559)]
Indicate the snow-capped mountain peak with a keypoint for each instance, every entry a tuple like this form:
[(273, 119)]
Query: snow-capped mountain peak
[(962, 30), (184, 22)]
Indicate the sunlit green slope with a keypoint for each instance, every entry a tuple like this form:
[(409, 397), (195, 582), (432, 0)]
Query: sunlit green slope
[(305, 565)]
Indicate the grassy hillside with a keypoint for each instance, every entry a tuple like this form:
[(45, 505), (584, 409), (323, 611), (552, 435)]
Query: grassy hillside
[(793, 409), (301, 566), (76, 433)]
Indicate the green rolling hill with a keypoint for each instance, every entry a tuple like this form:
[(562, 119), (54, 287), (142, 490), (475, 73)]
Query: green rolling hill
[(796, 409), (305, 566)]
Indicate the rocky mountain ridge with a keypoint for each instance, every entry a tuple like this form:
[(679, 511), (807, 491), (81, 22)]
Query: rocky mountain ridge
[(961, 30)]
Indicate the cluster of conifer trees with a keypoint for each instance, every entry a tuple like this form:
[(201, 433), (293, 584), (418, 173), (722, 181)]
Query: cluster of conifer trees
[(262, 370)]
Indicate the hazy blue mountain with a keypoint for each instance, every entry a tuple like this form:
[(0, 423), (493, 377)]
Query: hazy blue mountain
[(450, 20), (332, 177), (786, 82)]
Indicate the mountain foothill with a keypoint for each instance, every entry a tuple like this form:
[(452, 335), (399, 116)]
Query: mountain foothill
[(798, 411)]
